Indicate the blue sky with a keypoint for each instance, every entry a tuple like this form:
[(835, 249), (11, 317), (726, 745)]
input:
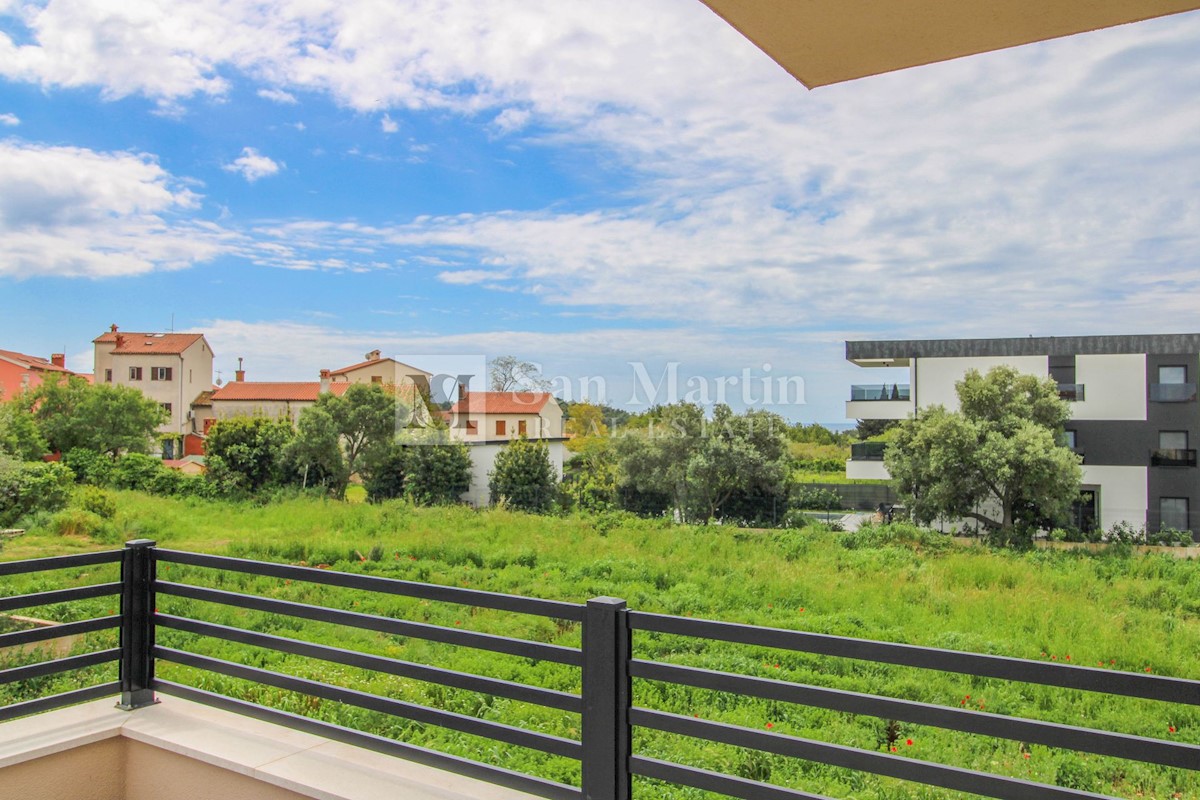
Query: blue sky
[(583, 185)]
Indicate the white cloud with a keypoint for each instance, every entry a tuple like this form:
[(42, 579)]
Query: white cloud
[(253, 165), (10, 120), (389, 125), (68, 211), (278, 96)]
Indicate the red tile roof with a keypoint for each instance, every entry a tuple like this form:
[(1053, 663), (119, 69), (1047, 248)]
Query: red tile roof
[(33, 362), (502, 403), (152, 343), (279, 392)]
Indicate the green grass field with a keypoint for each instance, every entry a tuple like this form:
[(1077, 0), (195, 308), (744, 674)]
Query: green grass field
[(1122, 613)]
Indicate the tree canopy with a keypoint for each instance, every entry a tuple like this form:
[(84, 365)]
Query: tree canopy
[(523, 476), (103, 418), (511, 374), (1000, 460)]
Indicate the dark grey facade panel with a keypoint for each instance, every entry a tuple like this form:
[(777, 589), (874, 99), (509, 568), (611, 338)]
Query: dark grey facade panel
[(1030, 346)]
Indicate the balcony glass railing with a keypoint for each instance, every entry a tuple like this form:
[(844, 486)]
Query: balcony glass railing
[(1072, 392), (1170, 458), (1172, 392), (867, 451), (883, 391)]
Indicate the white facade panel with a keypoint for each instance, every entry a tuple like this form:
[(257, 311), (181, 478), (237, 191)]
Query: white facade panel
[(1114, 387), (483, 461), (866, 470), (934, 378), (879, 409), (1122, 493)]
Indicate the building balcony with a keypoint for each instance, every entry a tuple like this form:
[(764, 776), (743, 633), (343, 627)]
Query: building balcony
[(1172, 458), (1071, 392), (1172, 392), (867, 451), (880, 401)]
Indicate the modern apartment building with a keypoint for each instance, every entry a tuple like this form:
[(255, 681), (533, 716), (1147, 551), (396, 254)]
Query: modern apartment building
[(1135, 419), (172, 369)]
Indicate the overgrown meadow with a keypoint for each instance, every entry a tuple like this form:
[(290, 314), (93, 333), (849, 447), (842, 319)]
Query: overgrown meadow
[(1116, 611)]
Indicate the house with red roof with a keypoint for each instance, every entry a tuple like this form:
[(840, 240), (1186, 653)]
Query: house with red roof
[(488, 421), (19, 372), (172, 369), (380, 370)]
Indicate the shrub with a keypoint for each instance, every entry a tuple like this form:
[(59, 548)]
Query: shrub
[(86, 524), (89, 466), (896, 534), (97, 501), (26, 488), (523, 477), (137, 471), (816, 498), (438, 474), (384, 479)]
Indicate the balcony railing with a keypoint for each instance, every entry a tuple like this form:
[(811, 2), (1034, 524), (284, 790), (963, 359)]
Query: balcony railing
[(867, 451), (880, 391), (1172, 392), (1071, 392), (1172, 458), (607, 714)]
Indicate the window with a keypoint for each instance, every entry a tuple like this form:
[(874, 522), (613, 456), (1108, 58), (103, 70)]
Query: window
[(1174, 375), (500, 427), (1069, 439), (160, 373), (1173, 513), (1172, 440), (108, 376), (166, 407), (376, 379), (521, 428), (135, 373)]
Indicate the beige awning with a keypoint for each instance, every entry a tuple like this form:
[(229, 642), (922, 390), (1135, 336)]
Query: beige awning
[(827, 41)]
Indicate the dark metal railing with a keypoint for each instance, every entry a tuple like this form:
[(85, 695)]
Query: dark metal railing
[(1172, 392), (1172, 458), (867, 451), (607, 659)]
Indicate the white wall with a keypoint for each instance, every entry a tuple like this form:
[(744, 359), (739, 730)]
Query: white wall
[(866, 470), (483, 461), (1122, 493), (935, 377), (879, 409), (1114, 387)]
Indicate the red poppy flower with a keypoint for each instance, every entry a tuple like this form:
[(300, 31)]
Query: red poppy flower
[(908, 742)]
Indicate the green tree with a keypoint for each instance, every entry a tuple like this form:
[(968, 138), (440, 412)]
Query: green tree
[(654, 452), (103, 418), (364, 417), (590, 479), (999, 460), (523, 476), (246, 453), (511, 374), (314, 455), (19, 434), (439, 471), (586, 421), (26, 487)]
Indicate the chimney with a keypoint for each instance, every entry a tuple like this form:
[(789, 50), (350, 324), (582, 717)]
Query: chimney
[(462, 391), (324, 381), (58, 359), (113, 328), (240, 374), (374, 355), (120, 339)]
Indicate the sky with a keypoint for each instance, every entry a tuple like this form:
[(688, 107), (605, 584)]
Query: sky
[(626, 193)]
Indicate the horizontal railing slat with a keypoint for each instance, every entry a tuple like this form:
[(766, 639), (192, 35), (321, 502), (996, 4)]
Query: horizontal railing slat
[(59, 665), (550, 698), (909, 769), (1051, 734), (1147, 686), (416, 630), (373, 583), (50, 632), (54, 701), (714, 781), (544, 742), (380, 744), (59, 596), (59, 562)]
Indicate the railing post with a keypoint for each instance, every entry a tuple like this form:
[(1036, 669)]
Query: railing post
[(606, 700), (137, 625)]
